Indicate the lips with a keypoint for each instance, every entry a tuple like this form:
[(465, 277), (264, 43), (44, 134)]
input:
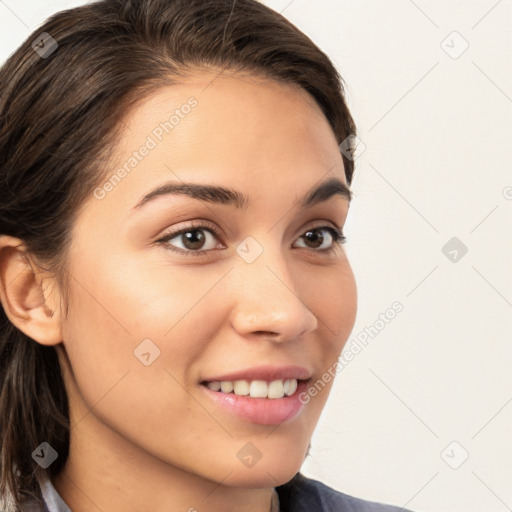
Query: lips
[(266, 395), (262, 411)]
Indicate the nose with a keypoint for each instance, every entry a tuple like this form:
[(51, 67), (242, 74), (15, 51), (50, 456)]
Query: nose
[(268, 302)]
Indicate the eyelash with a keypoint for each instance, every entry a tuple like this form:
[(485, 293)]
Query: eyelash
[(337, 236)]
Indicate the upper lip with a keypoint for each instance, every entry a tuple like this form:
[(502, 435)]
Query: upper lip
[(268, 373)]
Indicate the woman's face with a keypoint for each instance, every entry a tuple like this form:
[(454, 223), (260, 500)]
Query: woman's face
[(253, 289)]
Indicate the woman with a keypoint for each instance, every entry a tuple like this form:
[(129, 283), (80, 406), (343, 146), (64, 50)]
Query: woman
[(173, 283)]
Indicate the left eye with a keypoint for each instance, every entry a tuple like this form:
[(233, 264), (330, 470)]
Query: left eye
[(193, 239), (196, 240), (321, 242)]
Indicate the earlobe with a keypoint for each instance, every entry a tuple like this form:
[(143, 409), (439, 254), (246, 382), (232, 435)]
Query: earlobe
[(26, 299)]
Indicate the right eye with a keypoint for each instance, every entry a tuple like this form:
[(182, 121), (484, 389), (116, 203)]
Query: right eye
[(194, 240)]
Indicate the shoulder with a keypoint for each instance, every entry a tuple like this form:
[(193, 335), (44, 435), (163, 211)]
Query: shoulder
[(303, 494)]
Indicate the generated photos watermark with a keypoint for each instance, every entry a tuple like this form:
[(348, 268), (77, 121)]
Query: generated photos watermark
[(352, 348), (152, 140)]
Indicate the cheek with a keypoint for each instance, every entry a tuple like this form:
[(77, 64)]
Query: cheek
[(332, 297), (120, 311), (347, 302), (336, 303)]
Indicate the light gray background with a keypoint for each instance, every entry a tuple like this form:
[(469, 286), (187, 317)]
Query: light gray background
[(434, 162)]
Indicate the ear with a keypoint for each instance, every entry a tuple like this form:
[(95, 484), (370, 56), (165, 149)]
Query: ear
[(28, 294)]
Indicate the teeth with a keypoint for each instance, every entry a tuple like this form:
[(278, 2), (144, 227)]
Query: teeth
[(226, 386), (276, 389), (241, 387), (256, 388), (292, 386), (214, 385)]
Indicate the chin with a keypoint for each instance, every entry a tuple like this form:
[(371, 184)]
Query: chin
[(273, 472)]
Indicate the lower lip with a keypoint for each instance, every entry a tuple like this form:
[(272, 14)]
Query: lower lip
[(263, 411)]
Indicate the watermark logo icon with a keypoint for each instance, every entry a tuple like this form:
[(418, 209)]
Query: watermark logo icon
[(249, 455), (146, 352), (454, 45), (249, 250), (352, 147), (454, 249), (44, 45), (455, 455), (44, 455)]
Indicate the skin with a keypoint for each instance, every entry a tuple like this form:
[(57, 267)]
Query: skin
[(146, 437)]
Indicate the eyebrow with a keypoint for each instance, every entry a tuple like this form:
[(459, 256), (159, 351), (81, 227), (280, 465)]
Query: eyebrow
[(230, 197)]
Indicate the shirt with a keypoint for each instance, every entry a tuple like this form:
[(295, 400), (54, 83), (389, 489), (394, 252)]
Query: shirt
[(300, 494)]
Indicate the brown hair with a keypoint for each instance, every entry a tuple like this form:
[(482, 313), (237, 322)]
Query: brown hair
[(59, 118)]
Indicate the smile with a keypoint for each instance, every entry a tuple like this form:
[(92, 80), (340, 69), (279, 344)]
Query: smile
[(257, 401), (256, 388)]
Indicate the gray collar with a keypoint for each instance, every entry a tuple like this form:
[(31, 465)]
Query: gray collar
[(52, 499), (54, 503)]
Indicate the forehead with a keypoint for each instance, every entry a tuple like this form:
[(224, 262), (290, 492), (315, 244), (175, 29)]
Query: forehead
[(233, 115), (262, 137)]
